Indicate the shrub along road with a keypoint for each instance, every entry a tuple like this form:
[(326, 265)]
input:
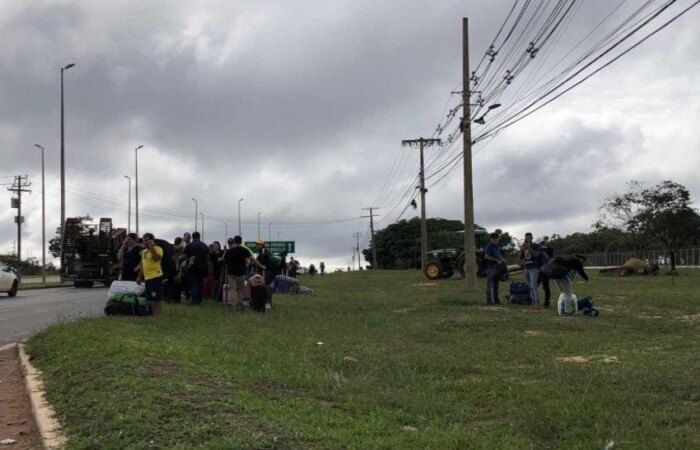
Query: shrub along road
[(386, 360)]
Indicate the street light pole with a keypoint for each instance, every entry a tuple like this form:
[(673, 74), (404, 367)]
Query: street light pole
[(43, 218), (240, 233), (128, 227), (195, 213), (269, 231), (259, 212), (63, 168), (136, 162)]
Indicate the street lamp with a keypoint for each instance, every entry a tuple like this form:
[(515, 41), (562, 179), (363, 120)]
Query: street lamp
[(481, 120), (195, 213), (63, 168), (43, 219), (259, 224), (136, 162), (128, 229), (240, 233)]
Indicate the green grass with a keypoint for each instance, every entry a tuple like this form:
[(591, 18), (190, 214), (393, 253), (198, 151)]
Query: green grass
[(432, 368)]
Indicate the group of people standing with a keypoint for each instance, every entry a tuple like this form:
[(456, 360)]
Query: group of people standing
[(539, 266), (196, 270)]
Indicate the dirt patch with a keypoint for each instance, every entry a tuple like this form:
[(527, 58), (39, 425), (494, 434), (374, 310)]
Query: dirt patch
[(574, 359), (493, 308), (690, 317), (424, 284), (16, 420), (609, 359), (401, 311), (577, 359), (532, 333)]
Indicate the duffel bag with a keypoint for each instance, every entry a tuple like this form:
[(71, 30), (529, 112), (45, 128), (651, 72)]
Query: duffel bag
[(125, 287), (127, 305), (518, 287)]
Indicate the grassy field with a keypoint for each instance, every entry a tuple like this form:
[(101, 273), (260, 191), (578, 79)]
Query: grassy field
[(404, 363)]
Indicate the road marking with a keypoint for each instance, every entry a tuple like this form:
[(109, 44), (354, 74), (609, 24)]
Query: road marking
[(85, 300), (43, 310), (5, 310)]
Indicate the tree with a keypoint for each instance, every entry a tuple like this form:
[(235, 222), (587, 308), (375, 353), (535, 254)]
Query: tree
[(398, 245), (661, 213), (55, 243)]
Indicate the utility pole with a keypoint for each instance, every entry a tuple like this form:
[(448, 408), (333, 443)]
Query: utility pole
[(63, 167), (136, 178), (469, 244), (421, 142), (43, 216), (371, 229), (202, 236), (359, 258), (18, 187), (128, 220)]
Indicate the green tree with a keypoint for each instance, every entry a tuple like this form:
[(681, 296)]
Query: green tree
[(661, 214), (398, 245)]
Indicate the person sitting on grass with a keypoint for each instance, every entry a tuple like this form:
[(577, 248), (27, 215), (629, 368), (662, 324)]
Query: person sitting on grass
[(563, 270)]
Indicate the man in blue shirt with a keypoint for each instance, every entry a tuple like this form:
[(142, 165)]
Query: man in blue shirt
[(493, 258)]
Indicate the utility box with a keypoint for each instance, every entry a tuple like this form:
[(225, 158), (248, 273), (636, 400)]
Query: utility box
[(14, 203), (19, 219)]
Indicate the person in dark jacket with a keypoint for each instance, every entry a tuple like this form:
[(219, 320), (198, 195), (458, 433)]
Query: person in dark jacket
[(130, 258), (563, 270), (530, 257), (544, 279), (493, 258), (197, 254)]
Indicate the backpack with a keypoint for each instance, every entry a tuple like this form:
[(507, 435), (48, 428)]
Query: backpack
[(519, 293)]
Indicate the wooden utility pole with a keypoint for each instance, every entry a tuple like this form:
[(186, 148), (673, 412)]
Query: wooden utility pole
[(469, 244), (371, 229), (359, 258), (421, 142), (18, 187)]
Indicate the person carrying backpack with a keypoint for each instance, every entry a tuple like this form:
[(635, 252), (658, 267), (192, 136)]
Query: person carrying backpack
[(530, 257)]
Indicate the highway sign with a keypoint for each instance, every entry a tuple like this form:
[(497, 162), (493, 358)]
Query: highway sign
[(274, 246)]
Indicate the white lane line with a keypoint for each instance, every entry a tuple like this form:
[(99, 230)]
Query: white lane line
[(85, 300), (6, 310)]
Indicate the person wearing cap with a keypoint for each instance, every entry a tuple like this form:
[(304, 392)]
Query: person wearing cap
[(235, 258), (493, 258), (530, 257)]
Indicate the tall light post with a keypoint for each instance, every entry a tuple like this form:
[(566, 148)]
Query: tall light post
[(259, 212), (269, 231), (278, 235), (128, 226), (240, 232), (195, 213), (43, 218), (63, 167), (136, 163)]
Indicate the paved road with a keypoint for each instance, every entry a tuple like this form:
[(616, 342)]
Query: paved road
[(34, 309)]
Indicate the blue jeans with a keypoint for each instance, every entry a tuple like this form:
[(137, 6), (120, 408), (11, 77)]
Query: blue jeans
[(531, 275), (491, 286), (195, 284)]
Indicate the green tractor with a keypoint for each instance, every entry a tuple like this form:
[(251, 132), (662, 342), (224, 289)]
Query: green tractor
[(443, 263)]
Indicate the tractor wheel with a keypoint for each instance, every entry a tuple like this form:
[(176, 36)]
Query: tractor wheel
[(433, 270)]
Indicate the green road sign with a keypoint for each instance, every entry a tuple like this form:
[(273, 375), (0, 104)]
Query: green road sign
[(274, 246)]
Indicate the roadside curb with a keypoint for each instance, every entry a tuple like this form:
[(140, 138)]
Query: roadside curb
[(44, 415), (33, 288)]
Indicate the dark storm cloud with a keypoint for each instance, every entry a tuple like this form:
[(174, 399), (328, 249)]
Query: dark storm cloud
[(298, 107)]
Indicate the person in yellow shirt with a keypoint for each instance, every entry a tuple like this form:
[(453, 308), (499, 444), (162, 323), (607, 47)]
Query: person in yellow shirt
[(152, 272)]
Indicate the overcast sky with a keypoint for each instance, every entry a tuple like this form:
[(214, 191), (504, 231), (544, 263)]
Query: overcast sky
[(299, 108)]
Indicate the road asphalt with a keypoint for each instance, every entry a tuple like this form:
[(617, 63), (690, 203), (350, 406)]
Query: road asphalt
[(35, 309)]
